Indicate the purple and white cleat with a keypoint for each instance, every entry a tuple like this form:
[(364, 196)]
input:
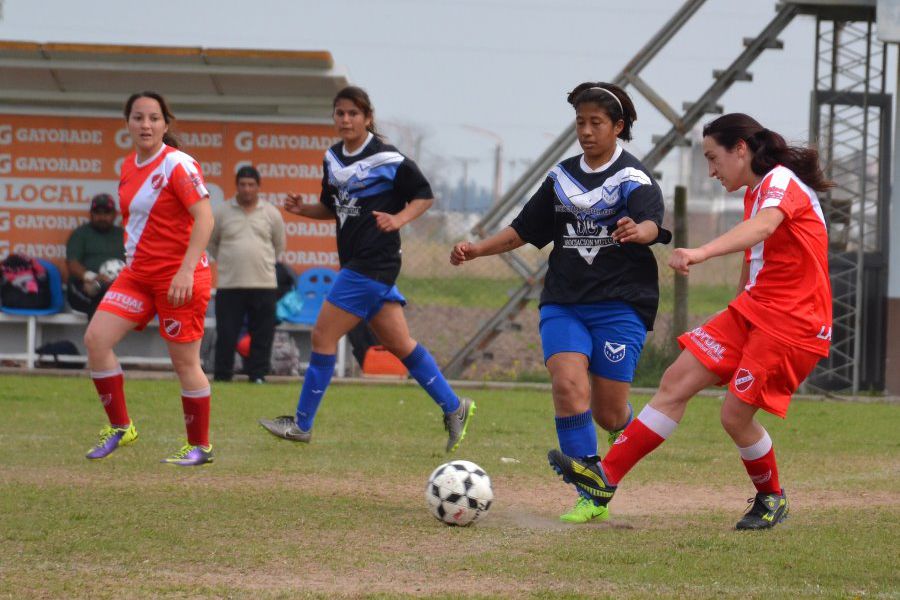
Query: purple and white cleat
[(111, 438)]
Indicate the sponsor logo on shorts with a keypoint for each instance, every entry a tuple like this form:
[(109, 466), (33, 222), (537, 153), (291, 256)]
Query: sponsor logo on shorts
[(743, 380), (824, 333), (614, 352), (124, 301), (710, 345), (157, 181), (172, 327), (105, 399)]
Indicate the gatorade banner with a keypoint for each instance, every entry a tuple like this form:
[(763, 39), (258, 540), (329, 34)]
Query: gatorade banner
[(50, 167)]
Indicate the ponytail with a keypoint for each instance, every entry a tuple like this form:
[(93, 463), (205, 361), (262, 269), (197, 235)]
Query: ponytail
[(769, 149)]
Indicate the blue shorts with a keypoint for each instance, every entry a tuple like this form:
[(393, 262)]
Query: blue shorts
[(610, 334), (360, 295)]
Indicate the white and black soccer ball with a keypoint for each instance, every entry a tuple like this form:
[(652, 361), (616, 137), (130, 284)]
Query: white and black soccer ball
[(459, 493), (111, 268)]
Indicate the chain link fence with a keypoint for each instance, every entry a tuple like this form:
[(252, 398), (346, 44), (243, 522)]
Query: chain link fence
[(448, 305)]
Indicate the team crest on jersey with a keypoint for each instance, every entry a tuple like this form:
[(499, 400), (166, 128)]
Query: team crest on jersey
[(204, 260), (345, 206), (157, 181), (614, 352), (587, 237), (743, 380), (172, 327)]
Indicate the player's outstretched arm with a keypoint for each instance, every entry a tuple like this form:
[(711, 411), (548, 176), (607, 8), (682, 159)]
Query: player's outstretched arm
[(503, 241), (388, 222), (294, 205), (739, 238)]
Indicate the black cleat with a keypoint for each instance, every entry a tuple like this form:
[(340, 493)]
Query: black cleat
[(765, 512), (587, 477)]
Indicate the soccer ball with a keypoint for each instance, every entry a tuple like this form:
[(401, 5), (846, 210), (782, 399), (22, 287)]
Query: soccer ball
[(111, 268), (459, 493)]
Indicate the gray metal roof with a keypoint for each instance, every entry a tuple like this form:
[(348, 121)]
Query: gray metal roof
[(295, 85)]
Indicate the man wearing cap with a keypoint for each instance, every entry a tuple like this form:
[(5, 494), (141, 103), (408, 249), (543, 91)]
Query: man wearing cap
[(90, 246), (246, 241)]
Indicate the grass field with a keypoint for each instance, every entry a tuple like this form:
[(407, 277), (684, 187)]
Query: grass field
[(345, 516)]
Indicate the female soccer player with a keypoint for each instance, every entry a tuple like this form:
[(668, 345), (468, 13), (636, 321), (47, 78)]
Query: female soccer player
[(768, 339), (371, 191), (168, 220), (601, 209)]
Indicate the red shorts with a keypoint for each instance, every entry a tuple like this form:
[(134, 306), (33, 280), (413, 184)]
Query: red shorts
[(137, 299), (758, 369)]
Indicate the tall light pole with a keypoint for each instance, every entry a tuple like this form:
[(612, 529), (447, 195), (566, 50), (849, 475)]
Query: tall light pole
[(464, 161), (498, 158)]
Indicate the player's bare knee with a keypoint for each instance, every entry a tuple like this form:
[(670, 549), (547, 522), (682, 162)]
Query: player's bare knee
[(94, 342), (734, 421), (568, 390)]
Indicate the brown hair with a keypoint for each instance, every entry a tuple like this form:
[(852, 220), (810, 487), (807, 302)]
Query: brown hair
[(623, 110), (360, 98), (769, 149), (169, 138)]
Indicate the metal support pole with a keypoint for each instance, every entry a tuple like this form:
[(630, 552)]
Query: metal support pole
[(680, 240)]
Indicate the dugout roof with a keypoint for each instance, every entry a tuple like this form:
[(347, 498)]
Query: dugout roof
[(274, 84)]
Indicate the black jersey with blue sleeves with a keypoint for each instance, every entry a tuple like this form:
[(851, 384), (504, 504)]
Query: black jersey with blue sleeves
[(578, 212), (379, 178)]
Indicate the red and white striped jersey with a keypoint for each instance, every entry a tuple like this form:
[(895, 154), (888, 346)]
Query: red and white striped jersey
[(154, 198), (788, 291)]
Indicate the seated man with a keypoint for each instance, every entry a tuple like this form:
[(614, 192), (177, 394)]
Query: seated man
[(90, 246)]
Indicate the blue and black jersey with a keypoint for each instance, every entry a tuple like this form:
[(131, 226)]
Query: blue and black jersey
[(577, 209), (378, 178)]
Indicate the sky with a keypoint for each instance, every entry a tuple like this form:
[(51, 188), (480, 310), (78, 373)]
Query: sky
[(470, 73)]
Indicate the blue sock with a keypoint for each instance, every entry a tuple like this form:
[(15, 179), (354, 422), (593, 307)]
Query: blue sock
[(315, 382), (630, 418), (577, 436), (422, 367)]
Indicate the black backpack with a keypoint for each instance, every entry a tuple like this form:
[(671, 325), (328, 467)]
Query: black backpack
[(55, 350), (25, 283)]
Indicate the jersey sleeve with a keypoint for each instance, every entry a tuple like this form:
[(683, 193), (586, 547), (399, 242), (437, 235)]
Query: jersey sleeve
[(410, 184), (645, 203), (187, 183), (785, 196), (534, 223)]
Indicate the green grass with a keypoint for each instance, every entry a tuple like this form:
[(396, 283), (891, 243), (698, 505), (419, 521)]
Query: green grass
[(470, 292), (345, 516), (475, 292)]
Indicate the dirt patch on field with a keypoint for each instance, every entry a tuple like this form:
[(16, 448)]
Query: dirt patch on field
[(520, 503)]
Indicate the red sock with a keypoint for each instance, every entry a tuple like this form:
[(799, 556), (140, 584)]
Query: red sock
[(643, 436), (111, 389), (196, 416), (763, 470)]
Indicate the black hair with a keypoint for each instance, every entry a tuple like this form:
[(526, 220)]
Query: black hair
[(248, 171), (169, 138), (360, 98), (605, 96), (769, 149)]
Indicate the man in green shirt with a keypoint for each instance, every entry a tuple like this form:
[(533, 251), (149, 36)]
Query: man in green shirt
[(89, 247)]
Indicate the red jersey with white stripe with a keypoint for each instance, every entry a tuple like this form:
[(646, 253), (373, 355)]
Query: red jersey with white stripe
[(788, 291), (154, 197)]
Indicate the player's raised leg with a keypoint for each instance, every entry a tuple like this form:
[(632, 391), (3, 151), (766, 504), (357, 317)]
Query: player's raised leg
[(103, 332), (392, 331)]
